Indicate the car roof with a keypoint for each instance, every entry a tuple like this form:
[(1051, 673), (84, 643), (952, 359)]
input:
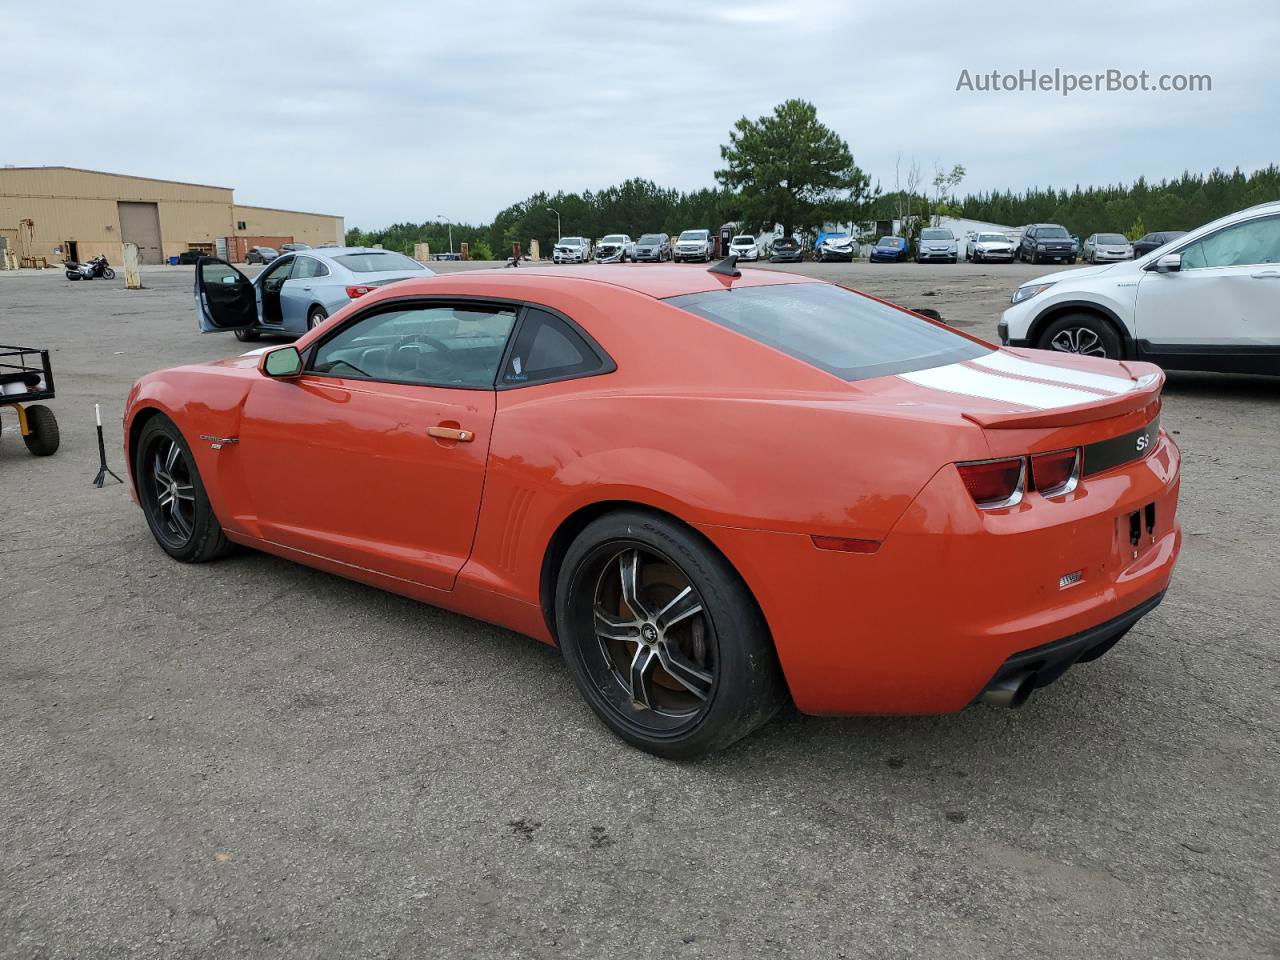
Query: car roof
[(659, 282), (328, 252)]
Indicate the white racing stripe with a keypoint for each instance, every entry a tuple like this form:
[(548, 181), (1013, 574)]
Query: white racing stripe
[(1007, 363), (958, 378)]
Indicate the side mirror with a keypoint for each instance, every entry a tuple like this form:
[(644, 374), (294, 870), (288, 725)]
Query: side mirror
[(1169, 263), (282, 363)]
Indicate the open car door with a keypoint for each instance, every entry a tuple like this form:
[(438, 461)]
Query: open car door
[(225, 297)]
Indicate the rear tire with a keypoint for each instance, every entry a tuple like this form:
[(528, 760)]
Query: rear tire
[(628, 647), (1082, 333), (173, 497), (317, 316), (44, 436), (247, 336), (108, 274)]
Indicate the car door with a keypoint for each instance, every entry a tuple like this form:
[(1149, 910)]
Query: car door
[(1225, 296), (225, 298), (375, 456), (298, 292)]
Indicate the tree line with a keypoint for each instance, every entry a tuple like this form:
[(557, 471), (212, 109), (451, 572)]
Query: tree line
[(787, 168)]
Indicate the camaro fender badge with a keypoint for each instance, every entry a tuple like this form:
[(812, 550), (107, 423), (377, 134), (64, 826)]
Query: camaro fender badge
[(217, 442)]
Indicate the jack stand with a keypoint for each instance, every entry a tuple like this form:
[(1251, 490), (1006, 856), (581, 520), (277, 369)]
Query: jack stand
[(103, 469)]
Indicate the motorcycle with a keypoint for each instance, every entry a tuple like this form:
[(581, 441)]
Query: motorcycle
[(91, 270)]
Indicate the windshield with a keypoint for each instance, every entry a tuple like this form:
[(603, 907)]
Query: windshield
[(694, 235), (888, 241), (992, 238), (1112, 239), (1052, 233), (614, 238), (377, 261), (570, 242), (835, 236), (844, 333), (744, 241), (651, 238), (936, 235)]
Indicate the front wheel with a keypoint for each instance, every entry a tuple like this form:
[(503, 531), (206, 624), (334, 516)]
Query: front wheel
[(662, 637), (1082, 333), (42, 437), (172, 495)]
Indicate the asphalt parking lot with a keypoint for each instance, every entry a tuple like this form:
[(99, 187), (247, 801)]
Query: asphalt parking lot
[(250, 758)]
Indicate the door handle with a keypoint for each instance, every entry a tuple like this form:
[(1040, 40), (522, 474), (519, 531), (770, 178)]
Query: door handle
[(451, 433), (1266, 275)]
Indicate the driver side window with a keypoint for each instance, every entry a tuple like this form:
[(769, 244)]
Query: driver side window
[(437, 345), (1244, 244)]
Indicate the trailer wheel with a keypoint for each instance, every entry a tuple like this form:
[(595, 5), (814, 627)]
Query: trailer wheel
[(42, 436)]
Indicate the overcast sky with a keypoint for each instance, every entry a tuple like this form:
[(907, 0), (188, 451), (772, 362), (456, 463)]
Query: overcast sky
[(406, 111)]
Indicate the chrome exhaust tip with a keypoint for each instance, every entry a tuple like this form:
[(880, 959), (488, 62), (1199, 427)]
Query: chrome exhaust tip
[(1011, 691)]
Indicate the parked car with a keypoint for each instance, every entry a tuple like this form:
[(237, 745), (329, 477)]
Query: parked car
[(1209, 300), (294, 247), (786, 250), (889, 250), (446, 257), (1151, 241), (695, 245), (261, 255), (1105, 247), (1046, 241), (835, 246), (990, 247), (615, 248), (572, 250), (745, 247), (298, 291), (673, 565), (653, 248), (937, 243), (190, 256)]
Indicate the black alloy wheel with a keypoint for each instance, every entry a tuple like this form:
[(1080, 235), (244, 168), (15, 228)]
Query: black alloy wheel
[(173, 497), (663, 638)]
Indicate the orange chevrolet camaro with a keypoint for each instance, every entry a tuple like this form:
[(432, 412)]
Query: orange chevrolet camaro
[(711, 489)]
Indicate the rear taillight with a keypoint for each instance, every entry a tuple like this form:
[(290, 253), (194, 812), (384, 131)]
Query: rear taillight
[(995, 483), (359, 290), (1055, 474)]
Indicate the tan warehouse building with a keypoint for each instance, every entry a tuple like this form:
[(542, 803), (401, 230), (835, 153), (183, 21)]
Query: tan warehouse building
[(60, 213)]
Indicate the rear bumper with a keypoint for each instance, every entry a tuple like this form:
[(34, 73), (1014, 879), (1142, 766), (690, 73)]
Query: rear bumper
[(923, 624), (1040, 666)]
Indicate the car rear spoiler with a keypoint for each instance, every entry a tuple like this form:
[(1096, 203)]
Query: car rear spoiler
[(1146, 393)]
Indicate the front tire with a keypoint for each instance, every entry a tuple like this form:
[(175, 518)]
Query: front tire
[(42, 437), (662, 637), (1082, 333), (173, 497)]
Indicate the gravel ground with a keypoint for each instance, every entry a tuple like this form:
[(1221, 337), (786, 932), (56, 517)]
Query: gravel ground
[(251, 758)]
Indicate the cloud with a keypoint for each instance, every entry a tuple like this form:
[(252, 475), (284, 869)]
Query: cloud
[(400, 111)]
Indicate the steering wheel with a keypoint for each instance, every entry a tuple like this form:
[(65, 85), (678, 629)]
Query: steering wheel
[(432, 342)]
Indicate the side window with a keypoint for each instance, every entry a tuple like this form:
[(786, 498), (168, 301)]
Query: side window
[(436, 345), (305, 268), (1244, 244), (549, 349)]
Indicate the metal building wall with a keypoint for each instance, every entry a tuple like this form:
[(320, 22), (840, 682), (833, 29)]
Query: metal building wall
[(312, 228)]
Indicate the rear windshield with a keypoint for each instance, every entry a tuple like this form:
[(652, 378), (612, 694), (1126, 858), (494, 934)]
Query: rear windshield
[(1112, 239), (936, 235), (377, 261), (844, 333)]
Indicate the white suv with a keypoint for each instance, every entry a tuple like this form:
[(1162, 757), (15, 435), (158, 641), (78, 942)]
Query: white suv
[(1208, 300)]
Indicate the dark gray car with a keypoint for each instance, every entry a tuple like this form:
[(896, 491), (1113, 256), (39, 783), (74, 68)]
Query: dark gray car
[(1043, 242), (653, 248)]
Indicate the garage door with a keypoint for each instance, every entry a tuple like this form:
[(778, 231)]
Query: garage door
[(140, 224)]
